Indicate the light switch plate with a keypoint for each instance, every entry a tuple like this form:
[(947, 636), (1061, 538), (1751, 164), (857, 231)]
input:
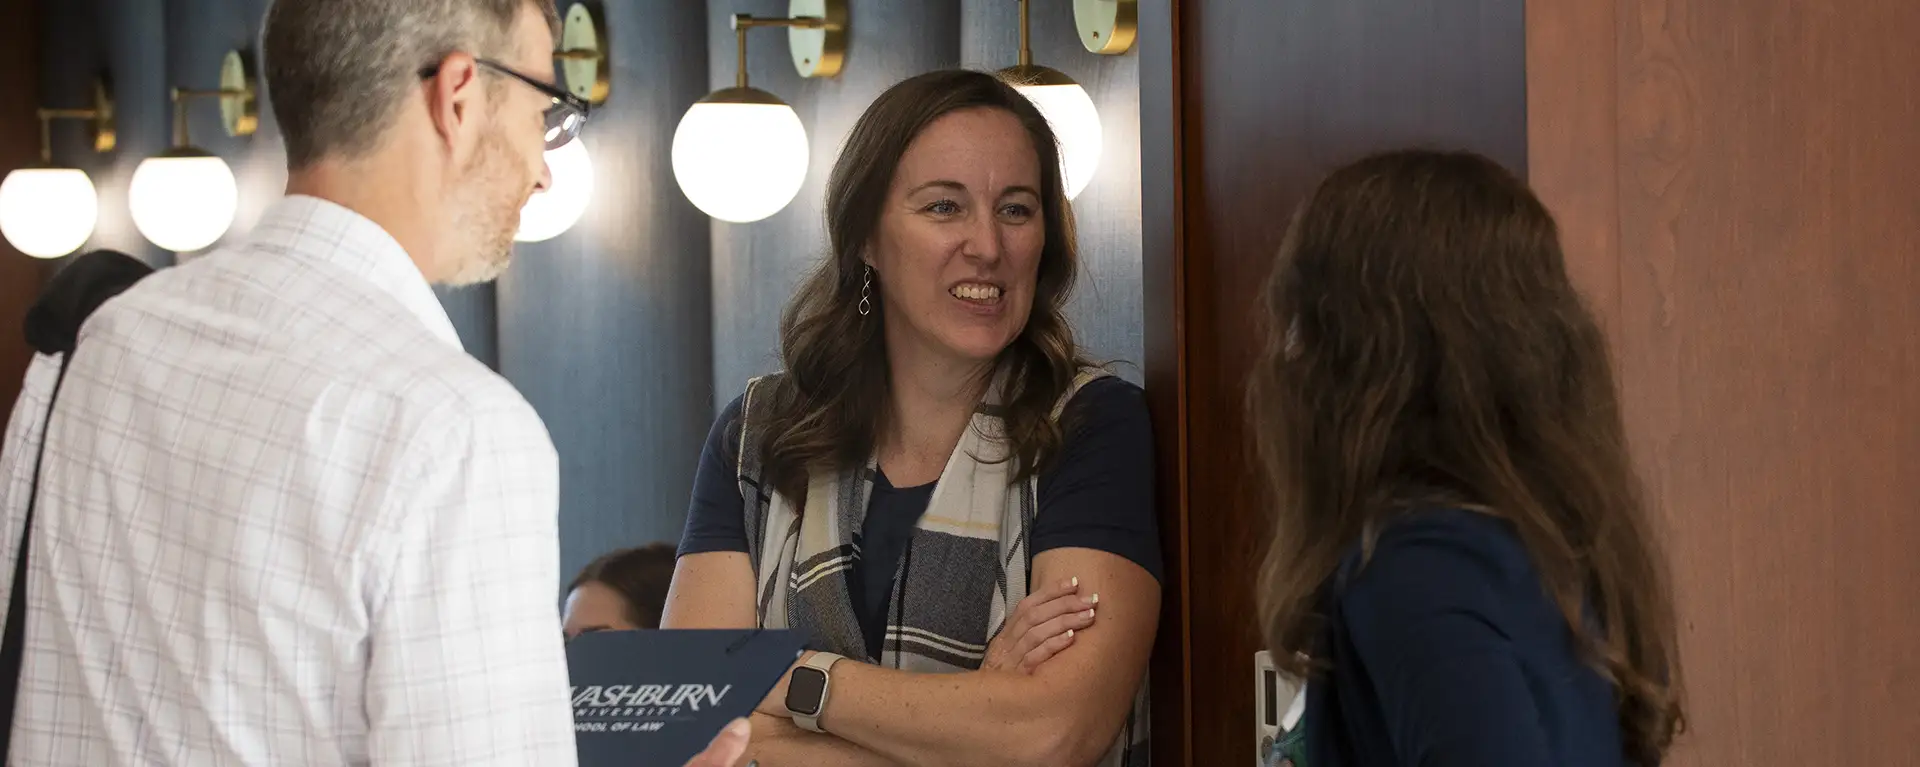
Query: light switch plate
[(1267, 707)]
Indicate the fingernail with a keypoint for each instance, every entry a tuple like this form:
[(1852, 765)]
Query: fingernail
[(1069, 633), (1093, 600), (739, 728), (1089, 615), (1076, 581)]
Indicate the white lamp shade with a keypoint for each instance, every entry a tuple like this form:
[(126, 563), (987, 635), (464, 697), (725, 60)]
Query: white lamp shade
[(549, 213), (740, 162), (1076, 123), (183, 201), (48, 212)]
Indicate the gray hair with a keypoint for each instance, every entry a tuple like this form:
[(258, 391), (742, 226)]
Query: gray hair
[(337, 71)]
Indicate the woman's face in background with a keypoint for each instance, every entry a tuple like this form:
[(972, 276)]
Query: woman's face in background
[(957, 252), (595, 607)]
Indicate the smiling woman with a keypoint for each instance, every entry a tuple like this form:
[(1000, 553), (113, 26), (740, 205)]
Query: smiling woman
[(939, 491)]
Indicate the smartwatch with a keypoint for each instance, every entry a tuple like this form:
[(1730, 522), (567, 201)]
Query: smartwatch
[(807, 689)]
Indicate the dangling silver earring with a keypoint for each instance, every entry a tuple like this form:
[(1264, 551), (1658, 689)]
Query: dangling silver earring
[(866, 292)]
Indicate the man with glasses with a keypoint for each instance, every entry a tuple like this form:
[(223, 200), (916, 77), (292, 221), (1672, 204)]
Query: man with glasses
[(283, 518)]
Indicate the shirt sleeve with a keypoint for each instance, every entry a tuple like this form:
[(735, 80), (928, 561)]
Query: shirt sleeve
[(466, 663), (1430, 616), (1099, 494), (717, 517)]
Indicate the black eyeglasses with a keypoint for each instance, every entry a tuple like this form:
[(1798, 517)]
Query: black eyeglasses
[(565, 117)]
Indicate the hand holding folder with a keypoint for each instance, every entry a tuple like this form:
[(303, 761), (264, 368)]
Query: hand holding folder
[(726, 748)]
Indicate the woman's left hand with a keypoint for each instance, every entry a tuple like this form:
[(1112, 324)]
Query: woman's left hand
[(1041, 626)]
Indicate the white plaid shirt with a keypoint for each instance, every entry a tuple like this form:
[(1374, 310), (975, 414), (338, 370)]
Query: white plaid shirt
[(286, 520)]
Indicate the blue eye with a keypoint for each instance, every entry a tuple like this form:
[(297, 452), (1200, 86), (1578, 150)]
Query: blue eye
[(943, 208), (1017, 210)]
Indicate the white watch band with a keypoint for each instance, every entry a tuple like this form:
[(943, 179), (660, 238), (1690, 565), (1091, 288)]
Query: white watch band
[(823, 662)]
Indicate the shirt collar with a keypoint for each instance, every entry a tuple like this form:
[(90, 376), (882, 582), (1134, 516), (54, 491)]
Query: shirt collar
[(325, 231)]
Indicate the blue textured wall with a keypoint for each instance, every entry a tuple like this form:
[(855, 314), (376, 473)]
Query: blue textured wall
[(1106, 310), (628, 332), (124, 41), (606, 328), (757, 265)]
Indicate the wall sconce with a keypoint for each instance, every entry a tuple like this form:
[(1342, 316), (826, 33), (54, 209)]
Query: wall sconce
[(1067, 107), (1107, 27), (184, 199), (47, 211), (585, 68), (740, 154)]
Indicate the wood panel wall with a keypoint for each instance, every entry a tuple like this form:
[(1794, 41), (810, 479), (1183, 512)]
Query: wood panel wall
[(1734, 180)]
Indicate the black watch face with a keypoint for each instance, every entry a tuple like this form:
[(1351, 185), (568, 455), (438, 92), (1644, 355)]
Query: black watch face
[(805, 689)]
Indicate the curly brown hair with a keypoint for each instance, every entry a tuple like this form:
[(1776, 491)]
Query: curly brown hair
[(827, 410), (1425, 346)]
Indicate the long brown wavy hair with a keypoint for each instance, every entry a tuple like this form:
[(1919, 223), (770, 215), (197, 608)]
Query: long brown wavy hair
[(1424, 346), (826, 411)]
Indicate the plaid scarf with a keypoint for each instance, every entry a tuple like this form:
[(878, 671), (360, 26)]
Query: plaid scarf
[(963, 572)]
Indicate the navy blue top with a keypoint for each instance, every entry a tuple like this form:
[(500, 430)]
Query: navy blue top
[(1445, 651), (1098, 495)]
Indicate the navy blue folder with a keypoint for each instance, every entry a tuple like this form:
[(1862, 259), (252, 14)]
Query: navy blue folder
[(659, 697)]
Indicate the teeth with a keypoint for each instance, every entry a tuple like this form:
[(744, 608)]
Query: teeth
[(974, 291)]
